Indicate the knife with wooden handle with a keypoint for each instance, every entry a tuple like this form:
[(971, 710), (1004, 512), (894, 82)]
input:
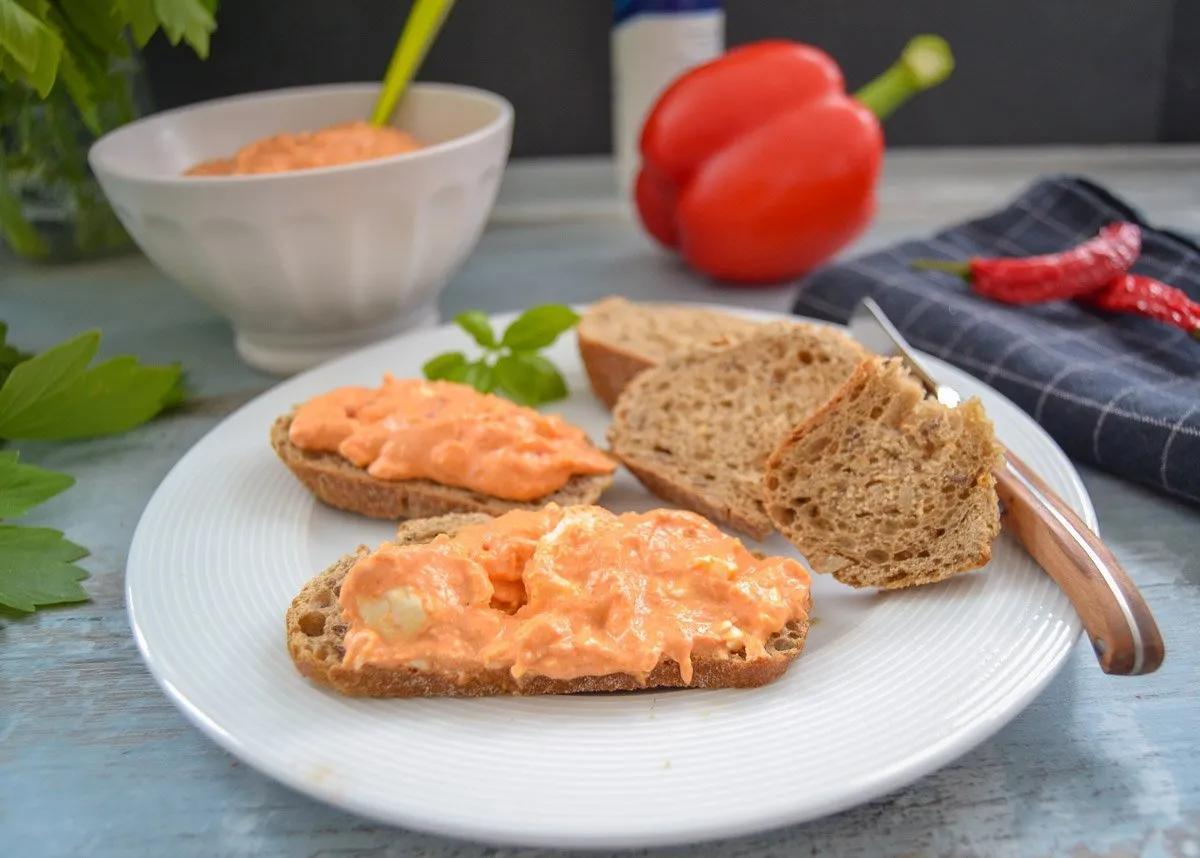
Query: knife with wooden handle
[(1122, 630)]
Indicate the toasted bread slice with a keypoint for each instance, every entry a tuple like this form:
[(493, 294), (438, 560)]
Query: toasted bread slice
[(341, 484), (886, 488), (316, 631), (697, 429), (619, 339)]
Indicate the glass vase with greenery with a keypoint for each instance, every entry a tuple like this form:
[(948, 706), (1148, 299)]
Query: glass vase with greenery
[(67, 69)]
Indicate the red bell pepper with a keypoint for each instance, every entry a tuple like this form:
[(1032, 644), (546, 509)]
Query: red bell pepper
[(758, 166)]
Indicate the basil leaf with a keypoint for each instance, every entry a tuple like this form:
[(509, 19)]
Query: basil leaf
[(538, 327), (448, 366), (479, 326), (37, 568), (480, 376), (530, 379), (109, 398), (22, 487)]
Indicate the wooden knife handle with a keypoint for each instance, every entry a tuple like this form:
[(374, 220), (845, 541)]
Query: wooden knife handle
[(1120, 625)]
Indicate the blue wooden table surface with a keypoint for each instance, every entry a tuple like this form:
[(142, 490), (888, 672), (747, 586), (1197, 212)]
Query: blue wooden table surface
[(95, 760)]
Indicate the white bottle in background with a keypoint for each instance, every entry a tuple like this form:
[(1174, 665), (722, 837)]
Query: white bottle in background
[(654, 42)]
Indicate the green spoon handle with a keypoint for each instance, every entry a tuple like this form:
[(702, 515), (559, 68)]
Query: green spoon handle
[(420, 30)]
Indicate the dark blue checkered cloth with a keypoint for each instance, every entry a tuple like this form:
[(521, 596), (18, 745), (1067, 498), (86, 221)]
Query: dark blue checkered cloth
[(1120, 392)]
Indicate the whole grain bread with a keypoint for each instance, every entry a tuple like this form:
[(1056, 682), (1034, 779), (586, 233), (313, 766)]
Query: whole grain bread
[(619, 339), (316, 632), (698, 428), (885, 488), (341, 484)]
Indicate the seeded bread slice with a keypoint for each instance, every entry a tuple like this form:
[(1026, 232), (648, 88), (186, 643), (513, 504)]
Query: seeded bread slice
[(886, 488), (316, 632), (619, 339), (697, 429), (341, 484)]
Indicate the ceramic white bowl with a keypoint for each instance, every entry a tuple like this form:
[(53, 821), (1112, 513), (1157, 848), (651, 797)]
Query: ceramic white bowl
[(311, 263)]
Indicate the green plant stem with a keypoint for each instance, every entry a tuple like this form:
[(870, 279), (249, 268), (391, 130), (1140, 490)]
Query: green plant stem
[(925, 62), (960, 269)]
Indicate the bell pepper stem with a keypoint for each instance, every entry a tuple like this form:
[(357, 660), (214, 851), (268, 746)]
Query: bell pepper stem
[(925, 62), (950, 266)]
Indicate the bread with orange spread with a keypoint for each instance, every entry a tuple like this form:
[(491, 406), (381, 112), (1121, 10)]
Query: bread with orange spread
[(697, 429), (411, 448), (884, 487), (317, 628), (619, 339), (341, 484)]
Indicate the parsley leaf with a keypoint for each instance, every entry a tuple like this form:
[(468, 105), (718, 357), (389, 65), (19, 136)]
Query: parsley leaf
[(538, 327), (10, 356), (22, 487), (52, 397), (37, 568)]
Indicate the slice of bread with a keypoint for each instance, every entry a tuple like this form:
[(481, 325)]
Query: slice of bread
[(697, 429), (619, 339), (886, 488), (316, 631), (341, 484)]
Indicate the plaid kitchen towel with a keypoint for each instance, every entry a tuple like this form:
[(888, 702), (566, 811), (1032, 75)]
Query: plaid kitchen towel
[(1120, 392)]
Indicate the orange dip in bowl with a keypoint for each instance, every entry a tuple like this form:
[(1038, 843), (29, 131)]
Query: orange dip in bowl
[(450, 433), (565, 592), (338, 144)]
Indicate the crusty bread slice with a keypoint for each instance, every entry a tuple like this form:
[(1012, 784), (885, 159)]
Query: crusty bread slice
[(619, 339), (886, 488), (697, 429), (340, 484), (316, 631)]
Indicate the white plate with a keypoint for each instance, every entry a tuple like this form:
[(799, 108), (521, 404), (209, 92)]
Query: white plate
[(890, 686)]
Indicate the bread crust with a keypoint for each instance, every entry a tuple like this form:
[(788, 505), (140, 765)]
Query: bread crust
[(315, 632), (340, 484), (609, 367)]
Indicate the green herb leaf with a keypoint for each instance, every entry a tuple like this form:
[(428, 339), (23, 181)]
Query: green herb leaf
[(45, 375), (33, 46), (110, 398), (37, 568), (51, 397), (538, 327), (98, 23), (139, 14), (22, 487), (191, 20), (530, 379), (448, 366), (10, 355), (480, 376), (479, 326)]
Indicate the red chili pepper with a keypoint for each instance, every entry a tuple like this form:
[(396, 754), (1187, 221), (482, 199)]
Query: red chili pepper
[(758, 165), (1053, 277), (1145, 296)]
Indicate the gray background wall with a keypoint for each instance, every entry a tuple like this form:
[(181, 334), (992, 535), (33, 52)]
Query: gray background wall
[(1029, 71)]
